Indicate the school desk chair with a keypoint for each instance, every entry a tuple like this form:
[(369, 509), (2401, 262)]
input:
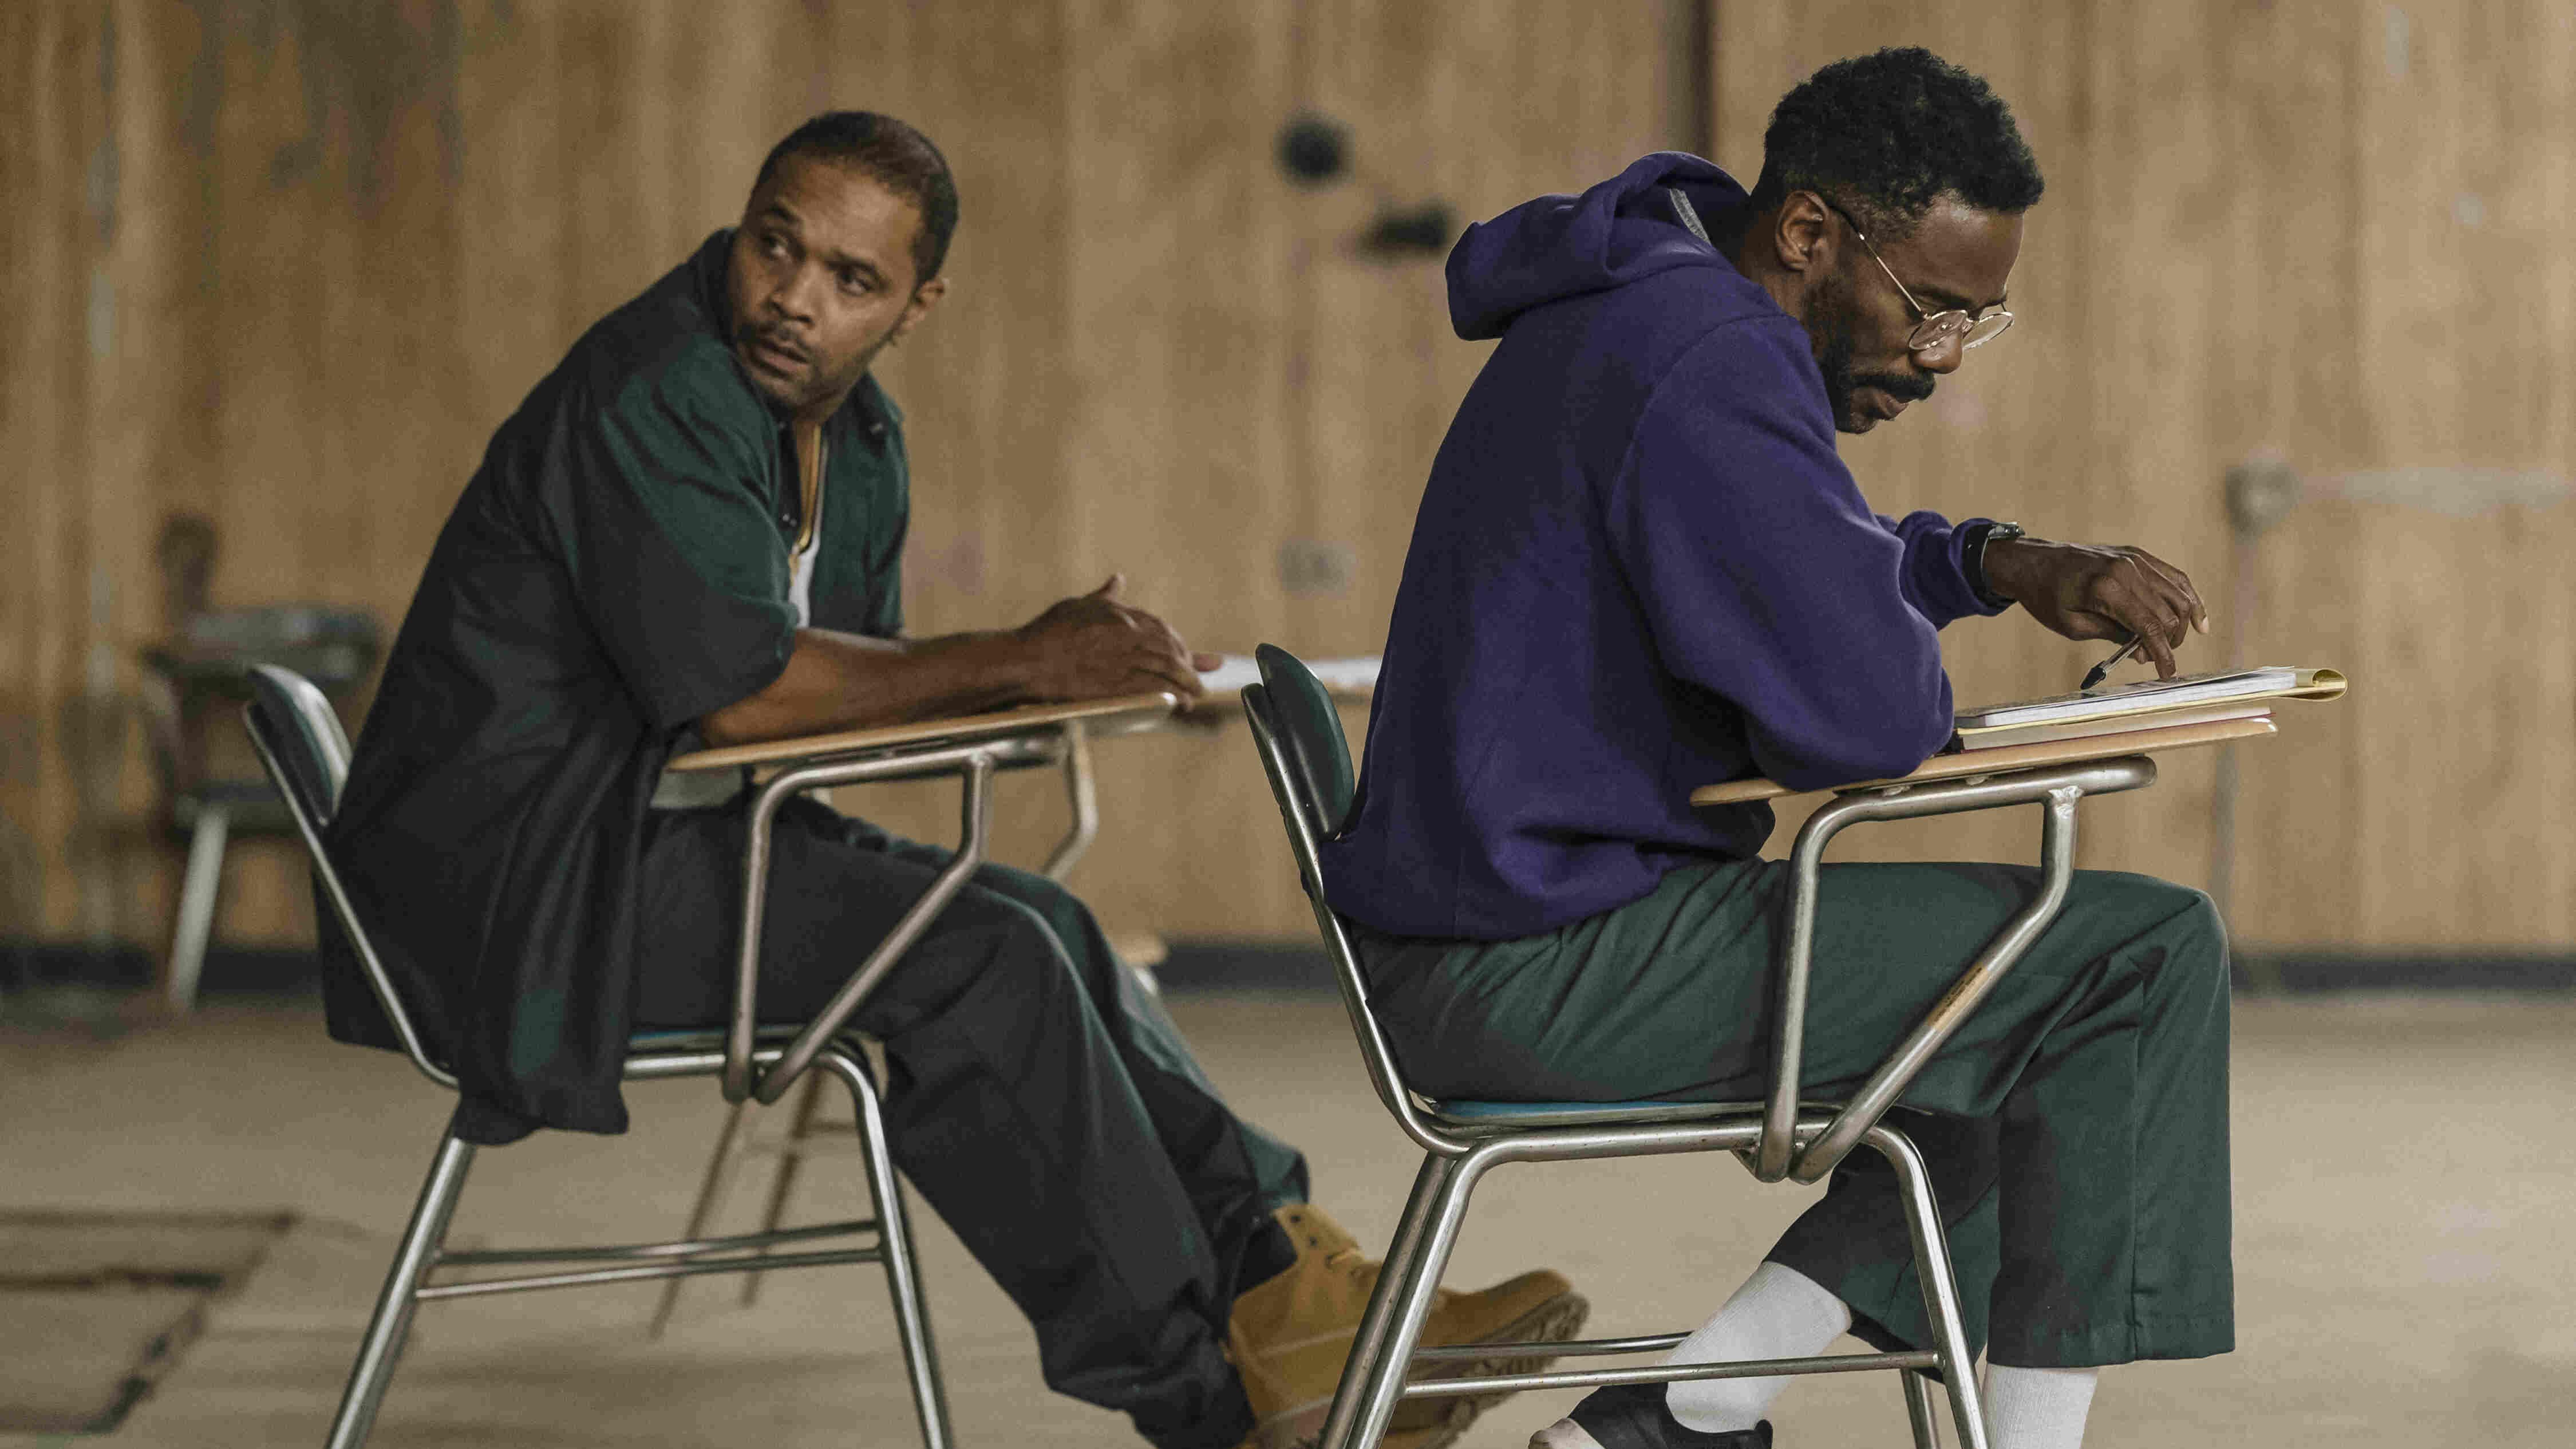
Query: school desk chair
[(1784, 1137), (183, 683), (1029, 736), (307, 756)]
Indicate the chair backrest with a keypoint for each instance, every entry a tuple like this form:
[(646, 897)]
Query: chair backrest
[(1310, 729), (311, 750), (300, 741), (1299, 735)]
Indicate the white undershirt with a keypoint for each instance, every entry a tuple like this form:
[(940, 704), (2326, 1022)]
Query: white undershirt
[(800, 568)]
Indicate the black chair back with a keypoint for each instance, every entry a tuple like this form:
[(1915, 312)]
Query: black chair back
[(293, 719), (1310, 731), (1299, 736), (299, 739)]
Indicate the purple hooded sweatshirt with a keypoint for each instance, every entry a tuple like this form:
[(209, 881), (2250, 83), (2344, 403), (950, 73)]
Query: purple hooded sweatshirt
[(1639, 568)]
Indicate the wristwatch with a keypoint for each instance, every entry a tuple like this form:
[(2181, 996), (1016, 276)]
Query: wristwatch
[(1972, 559)]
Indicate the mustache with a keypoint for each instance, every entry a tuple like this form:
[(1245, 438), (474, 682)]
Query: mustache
[(782, 338), (1904, 387)]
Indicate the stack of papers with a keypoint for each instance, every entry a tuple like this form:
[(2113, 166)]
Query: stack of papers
[(1355, 675), (2152, 704)]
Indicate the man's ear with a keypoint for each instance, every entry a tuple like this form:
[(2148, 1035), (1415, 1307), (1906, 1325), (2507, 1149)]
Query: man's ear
[(1802, 235), (924, 297)]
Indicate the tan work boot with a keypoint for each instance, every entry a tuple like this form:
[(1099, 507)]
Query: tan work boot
[(1290, 1336)]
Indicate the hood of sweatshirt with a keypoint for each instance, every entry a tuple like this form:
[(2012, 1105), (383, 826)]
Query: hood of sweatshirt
[(1623, 230)]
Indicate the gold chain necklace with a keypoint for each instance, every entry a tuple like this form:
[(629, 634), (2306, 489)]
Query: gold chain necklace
[(810, 484)]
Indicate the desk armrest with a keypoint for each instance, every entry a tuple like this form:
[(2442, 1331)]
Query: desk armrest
[(972, 746), (1100, 717), (975, 763), (2013, 757), (2057, 792)]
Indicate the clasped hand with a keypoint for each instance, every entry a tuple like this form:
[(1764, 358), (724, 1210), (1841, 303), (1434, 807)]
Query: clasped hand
[(1093, 647), (2094, 591)]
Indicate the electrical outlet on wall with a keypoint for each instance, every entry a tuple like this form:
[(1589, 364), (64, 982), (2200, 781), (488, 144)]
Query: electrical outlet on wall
[(1313, 566)]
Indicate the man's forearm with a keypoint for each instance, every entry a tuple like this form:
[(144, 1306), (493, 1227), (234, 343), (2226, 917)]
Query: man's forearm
[(836, 681)]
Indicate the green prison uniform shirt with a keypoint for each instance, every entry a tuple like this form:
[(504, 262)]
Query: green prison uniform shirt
[(618, 567)]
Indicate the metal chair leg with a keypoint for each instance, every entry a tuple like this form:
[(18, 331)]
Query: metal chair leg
[(894, 1240), (1370, 1339), (1383, 1387), (1940, 1287), (791, 1160), (383, 1344), (196, 921), (711, 1195), (1918, 1410)]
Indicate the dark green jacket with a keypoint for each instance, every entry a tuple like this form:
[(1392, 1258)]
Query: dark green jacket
[(617, 568)]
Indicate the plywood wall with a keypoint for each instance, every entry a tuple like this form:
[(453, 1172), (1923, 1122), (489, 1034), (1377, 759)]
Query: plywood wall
[(287, 263), (2331, 232)]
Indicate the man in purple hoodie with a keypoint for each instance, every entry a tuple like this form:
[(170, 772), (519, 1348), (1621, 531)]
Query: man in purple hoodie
[(1640, 568)]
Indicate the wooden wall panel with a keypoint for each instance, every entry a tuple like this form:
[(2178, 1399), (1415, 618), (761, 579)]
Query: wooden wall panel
[(347, 239), (288, 263), (50, 64), (1242, 375), (2330, 232)]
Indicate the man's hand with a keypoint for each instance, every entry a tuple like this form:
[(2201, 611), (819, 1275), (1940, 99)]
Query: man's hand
[(2090, 591), (1094, 646)]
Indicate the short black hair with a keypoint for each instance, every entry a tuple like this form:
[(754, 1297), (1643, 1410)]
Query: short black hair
[(1889, 133), (895, 156)]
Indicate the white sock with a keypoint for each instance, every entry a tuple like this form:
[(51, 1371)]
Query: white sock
[(2038, 1408), (1778, 1313)]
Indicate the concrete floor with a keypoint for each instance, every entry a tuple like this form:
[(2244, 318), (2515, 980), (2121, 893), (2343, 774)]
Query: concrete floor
[(2403, 1171)]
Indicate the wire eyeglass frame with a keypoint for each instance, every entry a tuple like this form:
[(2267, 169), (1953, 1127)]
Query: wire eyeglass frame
[(1931, 329)]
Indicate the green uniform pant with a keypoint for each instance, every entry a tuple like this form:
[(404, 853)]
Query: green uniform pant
[(2076, 1125)]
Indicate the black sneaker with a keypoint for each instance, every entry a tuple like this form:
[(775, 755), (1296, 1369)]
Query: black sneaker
[(1633, 1416)]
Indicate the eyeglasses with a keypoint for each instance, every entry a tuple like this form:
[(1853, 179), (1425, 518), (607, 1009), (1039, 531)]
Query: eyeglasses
[(1931, 329)]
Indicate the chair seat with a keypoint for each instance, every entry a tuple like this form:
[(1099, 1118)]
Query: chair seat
[(1582, 1114)]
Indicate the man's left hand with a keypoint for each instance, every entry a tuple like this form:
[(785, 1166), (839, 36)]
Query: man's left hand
[(2095, 591)]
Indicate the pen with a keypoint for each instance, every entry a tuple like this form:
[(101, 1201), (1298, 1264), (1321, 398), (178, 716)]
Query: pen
[(2103, 669)]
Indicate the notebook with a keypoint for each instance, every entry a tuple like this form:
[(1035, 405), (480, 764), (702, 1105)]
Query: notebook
[(1353, 676), (2082, 729), (2154, 696)]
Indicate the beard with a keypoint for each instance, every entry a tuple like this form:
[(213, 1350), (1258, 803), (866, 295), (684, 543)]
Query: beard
[(1835, 322), (824, 378)]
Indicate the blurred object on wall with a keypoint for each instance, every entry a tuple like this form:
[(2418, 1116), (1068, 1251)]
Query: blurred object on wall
[(201, 673), (185, 555), (2455, 492), (1315, 151), (1425, 230), (2262, 493)]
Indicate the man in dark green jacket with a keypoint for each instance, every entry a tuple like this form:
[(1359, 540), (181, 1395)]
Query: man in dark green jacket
[(690, 532)]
